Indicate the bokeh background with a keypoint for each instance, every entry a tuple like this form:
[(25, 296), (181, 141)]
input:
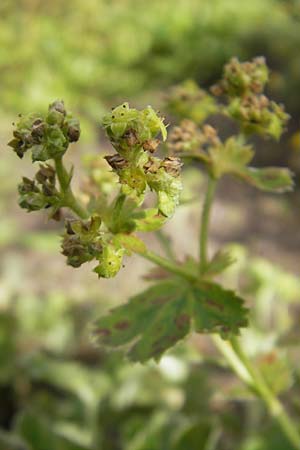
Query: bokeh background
[(57, 391)]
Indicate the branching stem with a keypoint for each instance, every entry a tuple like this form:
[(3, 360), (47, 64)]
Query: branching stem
[(65, 184)]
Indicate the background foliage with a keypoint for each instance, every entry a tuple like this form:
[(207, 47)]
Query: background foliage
[(100, 50)]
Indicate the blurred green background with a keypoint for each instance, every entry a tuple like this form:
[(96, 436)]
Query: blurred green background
[(57, 391)]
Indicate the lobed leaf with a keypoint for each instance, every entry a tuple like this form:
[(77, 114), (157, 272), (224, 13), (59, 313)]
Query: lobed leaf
[(155, 320), (272, 179)]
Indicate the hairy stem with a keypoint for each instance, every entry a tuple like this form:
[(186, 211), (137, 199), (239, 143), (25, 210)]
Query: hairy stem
[(211, 188), (69, 198), (233, 352)]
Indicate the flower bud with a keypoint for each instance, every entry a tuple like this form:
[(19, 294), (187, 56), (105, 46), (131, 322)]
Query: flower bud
[(58, 106), (73, 130), (110, 261)]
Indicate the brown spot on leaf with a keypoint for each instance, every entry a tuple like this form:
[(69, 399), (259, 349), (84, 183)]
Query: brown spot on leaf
[(215, 304), (103, 331), (182, 320), (122, 325)]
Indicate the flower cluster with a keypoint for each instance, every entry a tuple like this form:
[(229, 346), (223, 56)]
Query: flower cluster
[(188, 101), (103, 229), (243, 86), (41, 192), (187, 139), (240, 79), (133, 134), (48, 135), (84, 241)]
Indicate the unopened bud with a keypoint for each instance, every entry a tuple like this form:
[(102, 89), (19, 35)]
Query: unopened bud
[(59, 106), (73, 130)]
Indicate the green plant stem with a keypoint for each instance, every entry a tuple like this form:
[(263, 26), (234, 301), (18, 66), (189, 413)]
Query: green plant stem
[(205, 215), (168, 265), (69, 198), (274, 406), (233, 352), (232, 359)]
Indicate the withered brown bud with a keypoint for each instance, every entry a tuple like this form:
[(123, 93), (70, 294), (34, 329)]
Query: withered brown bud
[(151, 145), (73, 133), (116, 161), (172, 165), (75, 251), (152, 165), (131, 137), (68, 225), (45, 173), (211, 135), (38, 128), (27, 185)]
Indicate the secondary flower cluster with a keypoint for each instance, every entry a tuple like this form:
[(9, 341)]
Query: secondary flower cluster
[(243, 86), (188, 101), (41, 192)]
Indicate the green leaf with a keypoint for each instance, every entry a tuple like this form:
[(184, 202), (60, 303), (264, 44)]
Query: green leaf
[(230, 157), (40, 434), (130, 242), (272, 179), (234, 155), (220, 261), (148, 220), (276, 371), (155, 320)]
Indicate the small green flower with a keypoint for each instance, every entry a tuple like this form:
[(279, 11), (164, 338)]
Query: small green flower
[(129, 128), (110, 260)]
